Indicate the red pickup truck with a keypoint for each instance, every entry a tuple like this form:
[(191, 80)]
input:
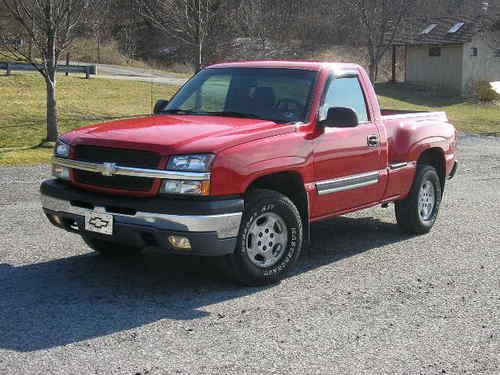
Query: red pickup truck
[(242, 160)]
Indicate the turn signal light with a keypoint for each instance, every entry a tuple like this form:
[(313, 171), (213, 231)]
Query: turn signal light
[(186, 187)]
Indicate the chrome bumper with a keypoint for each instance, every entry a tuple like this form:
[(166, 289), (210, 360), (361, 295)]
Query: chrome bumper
[(225, 225)]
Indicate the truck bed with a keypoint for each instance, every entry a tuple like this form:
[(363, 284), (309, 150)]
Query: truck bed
[(393, 114)]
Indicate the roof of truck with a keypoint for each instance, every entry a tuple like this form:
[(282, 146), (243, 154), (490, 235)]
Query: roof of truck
[(290, 64)]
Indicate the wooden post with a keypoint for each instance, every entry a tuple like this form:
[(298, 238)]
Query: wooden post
[(7, 71), (67, 64), (394, 63), (87, 72)]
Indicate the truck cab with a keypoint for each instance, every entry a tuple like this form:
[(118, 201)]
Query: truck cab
[(240, 162)]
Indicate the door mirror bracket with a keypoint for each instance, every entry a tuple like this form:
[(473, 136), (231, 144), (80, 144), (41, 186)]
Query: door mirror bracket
[(160, 106)]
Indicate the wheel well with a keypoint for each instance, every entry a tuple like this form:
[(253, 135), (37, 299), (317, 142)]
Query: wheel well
[(435, 158), (290, 184)]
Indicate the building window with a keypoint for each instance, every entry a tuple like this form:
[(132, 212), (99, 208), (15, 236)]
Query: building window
[(474, 52), (429, 29), (435, 51)]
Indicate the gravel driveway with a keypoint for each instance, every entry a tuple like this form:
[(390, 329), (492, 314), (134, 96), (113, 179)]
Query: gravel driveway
[(364, 300)]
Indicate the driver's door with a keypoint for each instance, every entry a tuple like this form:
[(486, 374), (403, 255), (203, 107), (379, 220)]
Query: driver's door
[(348, 161)]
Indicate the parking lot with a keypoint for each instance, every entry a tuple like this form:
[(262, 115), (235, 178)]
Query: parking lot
[(365, 298)]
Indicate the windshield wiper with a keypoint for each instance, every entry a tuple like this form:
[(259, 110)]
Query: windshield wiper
[(179, 112), (234, 114)]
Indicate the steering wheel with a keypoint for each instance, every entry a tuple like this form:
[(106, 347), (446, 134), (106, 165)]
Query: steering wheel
[(289, 108)]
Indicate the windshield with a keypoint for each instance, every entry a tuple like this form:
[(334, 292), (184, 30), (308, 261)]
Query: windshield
[(279, 95)]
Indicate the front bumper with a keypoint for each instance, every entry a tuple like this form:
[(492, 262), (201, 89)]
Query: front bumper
[(211, 226)]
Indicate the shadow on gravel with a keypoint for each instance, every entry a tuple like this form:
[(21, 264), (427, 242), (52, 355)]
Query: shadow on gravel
[(65, 301)]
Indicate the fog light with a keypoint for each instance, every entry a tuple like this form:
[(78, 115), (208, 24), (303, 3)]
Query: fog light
[(56, 220), (179, 242), (60, 172)]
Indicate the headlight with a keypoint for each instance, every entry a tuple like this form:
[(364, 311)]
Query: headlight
[(62, 149), (191, 163)]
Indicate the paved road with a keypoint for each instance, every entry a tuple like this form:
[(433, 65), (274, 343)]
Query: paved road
[(137, 74), (365, 299)]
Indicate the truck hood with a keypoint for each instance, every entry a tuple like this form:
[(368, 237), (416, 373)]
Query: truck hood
[(175, 134)]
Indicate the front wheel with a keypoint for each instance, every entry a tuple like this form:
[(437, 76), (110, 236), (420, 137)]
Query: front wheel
[(418, 212), (269, 242)]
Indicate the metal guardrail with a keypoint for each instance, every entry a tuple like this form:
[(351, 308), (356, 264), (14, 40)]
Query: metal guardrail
[(86, 69)]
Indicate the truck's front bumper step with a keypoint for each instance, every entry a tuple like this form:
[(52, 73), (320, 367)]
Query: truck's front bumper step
[(213, 233)]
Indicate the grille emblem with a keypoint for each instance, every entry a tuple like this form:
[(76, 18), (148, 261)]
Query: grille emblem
[(108, 169)]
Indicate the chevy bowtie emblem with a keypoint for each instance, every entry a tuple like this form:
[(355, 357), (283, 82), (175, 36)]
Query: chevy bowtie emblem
[(108, 169), (98, 222)]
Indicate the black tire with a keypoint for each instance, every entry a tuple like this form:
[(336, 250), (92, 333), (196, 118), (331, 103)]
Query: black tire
[(239, 266), (110, 249), (407, 210)]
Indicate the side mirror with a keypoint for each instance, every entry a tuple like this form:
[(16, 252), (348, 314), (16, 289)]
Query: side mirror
[(160, 106), (339, 117)]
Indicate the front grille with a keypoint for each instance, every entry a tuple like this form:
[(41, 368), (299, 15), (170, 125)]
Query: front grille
[(122, 157), (114, 182)]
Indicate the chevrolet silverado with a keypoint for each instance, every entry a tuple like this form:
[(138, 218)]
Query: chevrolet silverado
[(240, 162)]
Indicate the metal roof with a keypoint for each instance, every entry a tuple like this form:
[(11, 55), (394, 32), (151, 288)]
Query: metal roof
[(448, 30)]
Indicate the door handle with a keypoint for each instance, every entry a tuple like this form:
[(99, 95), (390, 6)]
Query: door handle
[(372, 141)]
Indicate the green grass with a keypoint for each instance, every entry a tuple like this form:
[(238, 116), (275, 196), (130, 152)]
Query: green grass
[(467, 116), (80, 102)]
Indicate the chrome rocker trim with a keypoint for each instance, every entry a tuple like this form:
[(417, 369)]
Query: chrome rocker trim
[(347, 183), (225, 225), (110, 169)]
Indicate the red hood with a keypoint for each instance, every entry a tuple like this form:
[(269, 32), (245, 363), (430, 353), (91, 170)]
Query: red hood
[(176, 134)]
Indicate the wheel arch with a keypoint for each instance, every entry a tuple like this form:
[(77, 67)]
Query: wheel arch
[(435, 157), (290, 184)]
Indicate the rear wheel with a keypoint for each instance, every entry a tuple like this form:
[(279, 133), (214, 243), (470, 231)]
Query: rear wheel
[(269, 242), (418, 212), (110, 249)]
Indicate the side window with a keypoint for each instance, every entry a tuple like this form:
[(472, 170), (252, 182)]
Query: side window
[(347, 93)]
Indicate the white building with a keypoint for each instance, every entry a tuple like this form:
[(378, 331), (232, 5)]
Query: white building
[(451, 53)]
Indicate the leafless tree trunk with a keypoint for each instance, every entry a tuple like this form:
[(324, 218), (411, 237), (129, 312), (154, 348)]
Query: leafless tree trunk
[(379, 22), (189, 21), (50, 25), (253, 20)]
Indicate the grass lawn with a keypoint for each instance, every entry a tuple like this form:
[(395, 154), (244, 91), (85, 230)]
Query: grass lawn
[(466, 116), (80, 102)]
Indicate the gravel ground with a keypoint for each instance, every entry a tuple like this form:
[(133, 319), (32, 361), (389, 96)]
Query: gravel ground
[(364, 300)]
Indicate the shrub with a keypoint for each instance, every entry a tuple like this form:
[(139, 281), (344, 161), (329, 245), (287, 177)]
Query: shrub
[(484, 92)]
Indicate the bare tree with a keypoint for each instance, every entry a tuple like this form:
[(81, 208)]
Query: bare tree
[(50, 26), (254, 21), (99, 24), (189, 21), (379, 22)]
